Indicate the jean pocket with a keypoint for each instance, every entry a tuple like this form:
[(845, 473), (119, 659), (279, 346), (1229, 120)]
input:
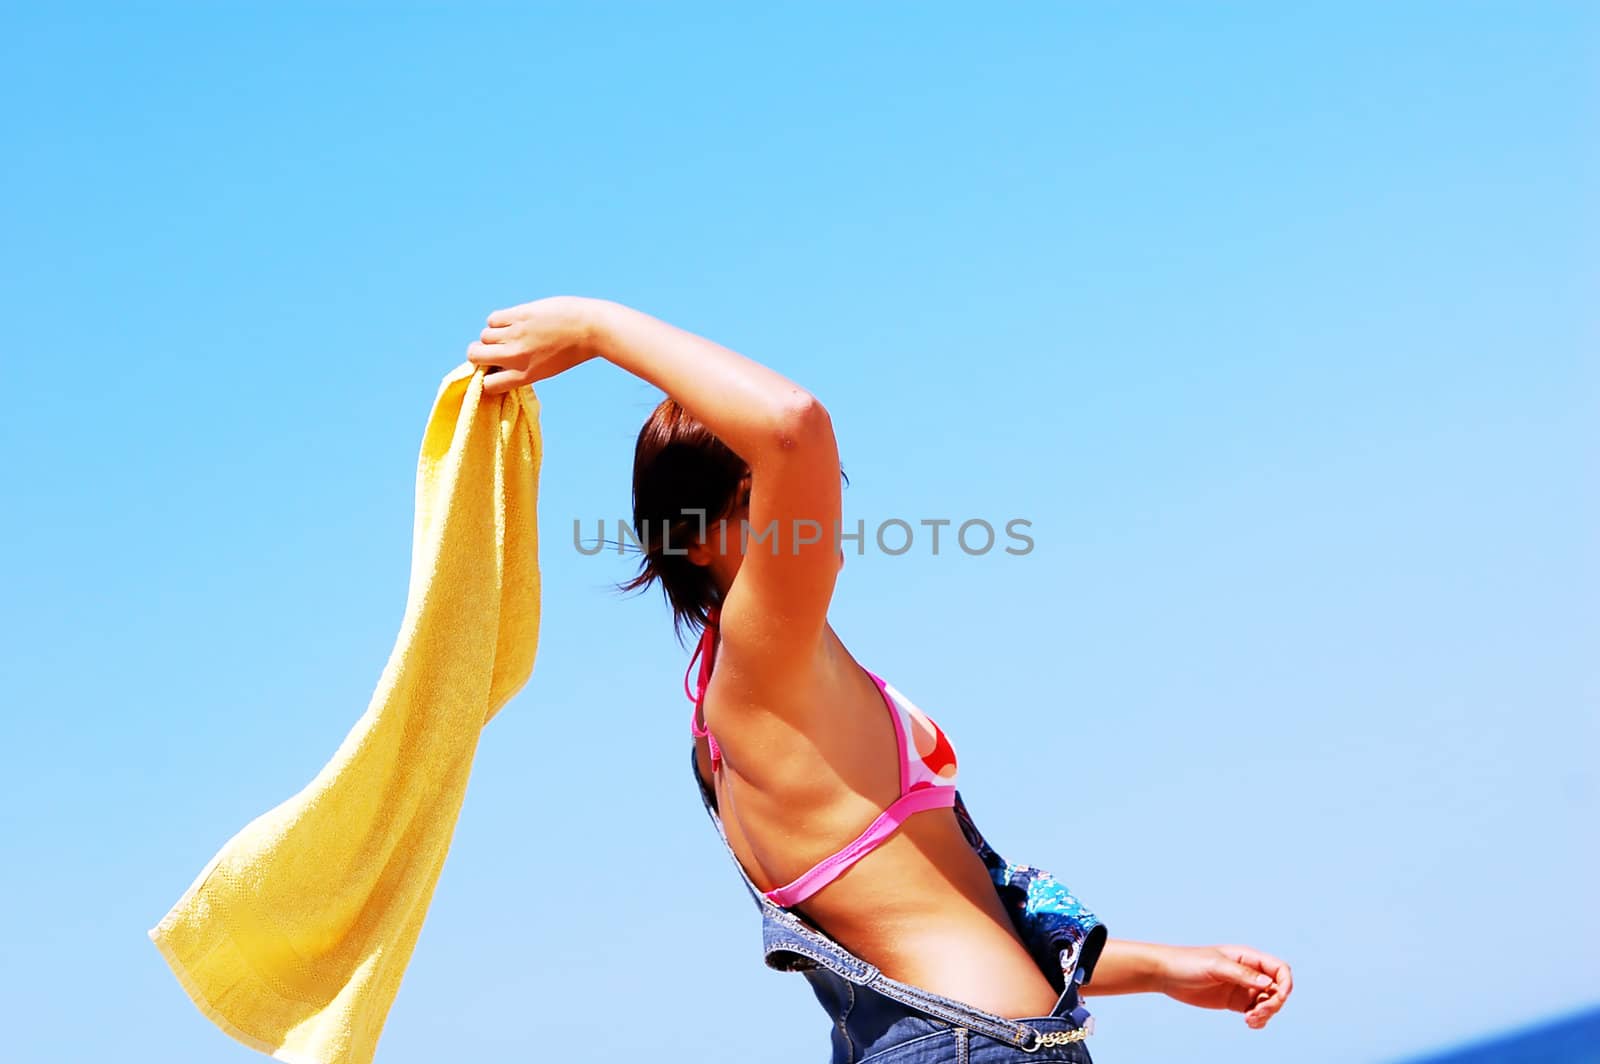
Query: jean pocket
[(935, 1047)]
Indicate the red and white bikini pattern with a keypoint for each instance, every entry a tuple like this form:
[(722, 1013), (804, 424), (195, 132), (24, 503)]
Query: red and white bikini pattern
[(932, 759)]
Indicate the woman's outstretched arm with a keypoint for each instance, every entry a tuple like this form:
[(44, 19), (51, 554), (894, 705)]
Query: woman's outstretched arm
[(1237, 978)]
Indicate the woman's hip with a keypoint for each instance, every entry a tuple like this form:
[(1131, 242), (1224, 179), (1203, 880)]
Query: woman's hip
[(919, 1039), (908, 1025)]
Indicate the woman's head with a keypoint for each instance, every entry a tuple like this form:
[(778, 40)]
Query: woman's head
[(685, 481)]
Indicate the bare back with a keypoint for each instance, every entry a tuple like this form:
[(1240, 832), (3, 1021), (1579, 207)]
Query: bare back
[(799, 778)]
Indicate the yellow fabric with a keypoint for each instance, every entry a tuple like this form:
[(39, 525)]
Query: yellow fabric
[(294, 938)]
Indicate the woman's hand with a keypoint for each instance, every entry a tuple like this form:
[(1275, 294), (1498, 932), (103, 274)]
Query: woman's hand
[(1225, 977), (534, 341)]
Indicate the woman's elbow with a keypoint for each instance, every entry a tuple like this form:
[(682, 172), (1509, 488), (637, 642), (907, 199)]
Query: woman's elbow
[(802, 423)]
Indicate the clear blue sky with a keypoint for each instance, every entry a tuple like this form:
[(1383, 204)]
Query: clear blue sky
[(1278, 325)]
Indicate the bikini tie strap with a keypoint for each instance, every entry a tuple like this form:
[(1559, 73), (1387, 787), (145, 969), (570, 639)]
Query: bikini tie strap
[(702, 652), (705, 654), (698, 647)]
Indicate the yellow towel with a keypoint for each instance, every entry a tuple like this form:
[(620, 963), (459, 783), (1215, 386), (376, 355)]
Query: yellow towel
[(294, 938)]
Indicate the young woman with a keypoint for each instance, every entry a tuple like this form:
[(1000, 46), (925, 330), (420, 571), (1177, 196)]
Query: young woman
[(833, 792)]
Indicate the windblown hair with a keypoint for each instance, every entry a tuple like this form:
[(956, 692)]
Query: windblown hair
[(684, 481)]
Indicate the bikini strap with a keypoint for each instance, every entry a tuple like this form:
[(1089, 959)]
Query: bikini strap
[(705, 651)]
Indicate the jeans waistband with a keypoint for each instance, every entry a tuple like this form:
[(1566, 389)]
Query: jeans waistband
[(790, 944)]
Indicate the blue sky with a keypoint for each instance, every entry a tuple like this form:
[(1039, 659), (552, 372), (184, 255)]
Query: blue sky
[(1278, 325)]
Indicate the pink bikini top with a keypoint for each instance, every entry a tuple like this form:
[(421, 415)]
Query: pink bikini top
[(927, 772)]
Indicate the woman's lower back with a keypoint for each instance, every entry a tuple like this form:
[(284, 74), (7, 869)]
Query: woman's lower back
[(927, 914), (920, 907)]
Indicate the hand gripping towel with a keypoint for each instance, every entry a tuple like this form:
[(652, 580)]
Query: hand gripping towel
[(294, 938)]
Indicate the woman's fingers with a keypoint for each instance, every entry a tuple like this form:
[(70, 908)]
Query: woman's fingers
[(500, 318), (1243, 975), (1270, 1002), (1271, 998), (500, 381), (1258, 1016), (1282, 979), (494, 335), (482, 354)]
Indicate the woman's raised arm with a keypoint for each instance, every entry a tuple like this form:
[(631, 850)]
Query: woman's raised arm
[(780, 430)]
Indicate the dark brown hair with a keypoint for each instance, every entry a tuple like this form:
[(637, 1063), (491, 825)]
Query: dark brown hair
[(684, 480)]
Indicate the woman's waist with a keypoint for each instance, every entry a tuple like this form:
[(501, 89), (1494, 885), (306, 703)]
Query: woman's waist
[(935, 923), (966, 956)]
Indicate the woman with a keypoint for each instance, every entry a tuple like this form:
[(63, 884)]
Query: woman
[(833, 792)]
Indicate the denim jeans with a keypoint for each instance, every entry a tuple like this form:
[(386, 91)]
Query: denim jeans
[(878, 1020)]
